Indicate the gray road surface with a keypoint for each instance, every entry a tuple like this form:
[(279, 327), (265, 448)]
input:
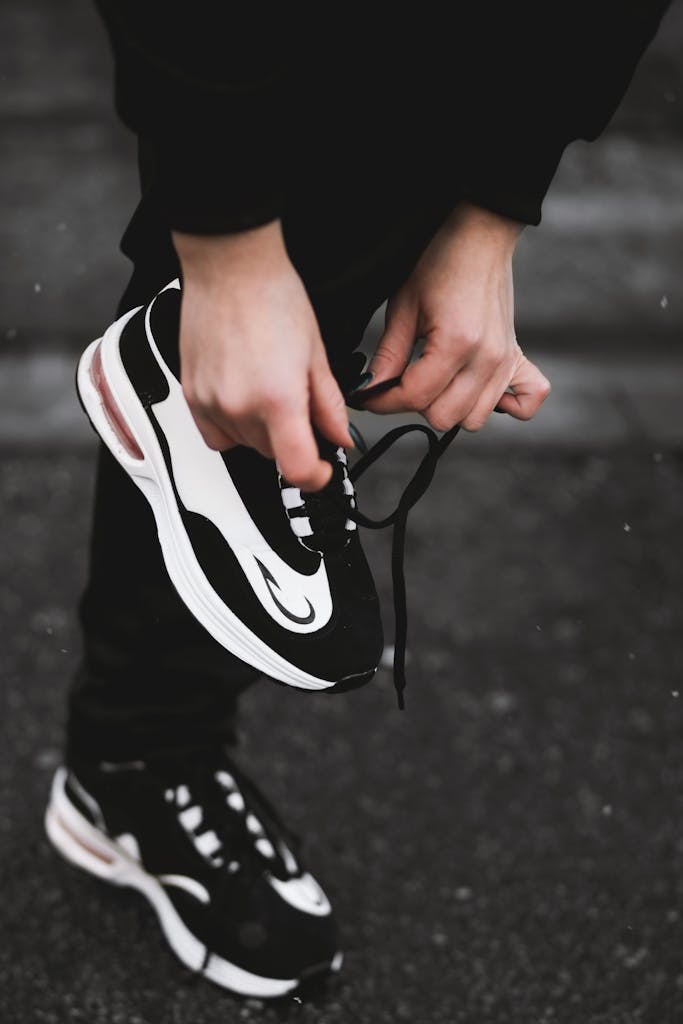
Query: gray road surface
[(508, 850)]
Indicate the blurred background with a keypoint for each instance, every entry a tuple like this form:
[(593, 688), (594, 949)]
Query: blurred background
[(601, 275), (518, 844)]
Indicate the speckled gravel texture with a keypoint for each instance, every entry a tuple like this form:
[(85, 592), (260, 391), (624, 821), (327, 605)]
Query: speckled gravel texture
[(507, 851)]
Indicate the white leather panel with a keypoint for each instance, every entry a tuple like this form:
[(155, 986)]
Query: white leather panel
[(206, 488)]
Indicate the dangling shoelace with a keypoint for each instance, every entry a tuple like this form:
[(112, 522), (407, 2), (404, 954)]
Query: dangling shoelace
[(413, 491), (325, 513)]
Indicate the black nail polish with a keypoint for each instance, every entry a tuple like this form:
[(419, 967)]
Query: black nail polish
[(363, 382)]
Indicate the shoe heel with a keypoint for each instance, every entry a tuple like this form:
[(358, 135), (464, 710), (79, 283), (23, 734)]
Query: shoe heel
[(111, 410), (89, 857), (77, 840), (106, 418)]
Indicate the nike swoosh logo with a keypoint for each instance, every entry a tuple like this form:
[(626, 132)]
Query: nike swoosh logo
[(272, 583)]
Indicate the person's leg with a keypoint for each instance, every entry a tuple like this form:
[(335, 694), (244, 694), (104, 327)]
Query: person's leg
[(149, 796), (151, 678)]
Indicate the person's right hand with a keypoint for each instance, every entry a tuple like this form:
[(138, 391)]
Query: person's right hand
[(253, 365)]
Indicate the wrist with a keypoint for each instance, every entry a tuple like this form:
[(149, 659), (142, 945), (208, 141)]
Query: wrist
[(208, 258), (485, 225)]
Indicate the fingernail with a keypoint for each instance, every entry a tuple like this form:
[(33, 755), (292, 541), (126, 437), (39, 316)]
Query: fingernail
[(366, 379)]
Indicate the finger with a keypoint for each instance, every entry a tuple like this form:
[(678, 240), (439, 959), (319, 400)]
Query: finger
[(396, 344), (328, 408), (455, 402), (243, 428), (488, 400), (254, 434), (428, 377), (296, 452), (214, 436), (531, 388)]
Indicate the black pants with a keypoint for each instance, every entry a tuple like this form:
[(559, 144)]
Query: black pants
[(151, 678)]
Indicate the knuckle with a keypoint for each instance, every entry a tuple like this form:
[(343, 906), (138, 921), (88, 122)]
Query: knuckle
[(201, 395), (467, 339), (490, 360), (229, 407), (191, 396), (269, 401), (272, 401), (242, 405), (439, 420)]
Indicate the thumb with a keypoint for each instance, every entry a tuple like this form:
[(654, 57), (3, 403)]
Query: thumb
[(396, 344), (328, 408)]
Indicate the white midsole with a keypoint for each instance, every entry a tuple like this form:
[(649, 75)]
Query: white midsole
[(82, 844), (151, 476)]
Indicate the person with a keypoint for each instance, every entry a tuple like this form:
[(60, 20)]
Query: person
[(295, 175)]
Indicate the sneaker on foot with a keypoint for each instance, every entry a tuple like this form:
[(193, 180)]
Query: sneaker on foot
[(198, 840), (276, 576)]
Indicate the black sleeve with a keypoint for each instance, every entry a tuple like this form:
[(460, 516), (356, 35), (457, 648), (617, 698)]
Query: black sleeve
[(540, 76), (204, 84), (208, 86)]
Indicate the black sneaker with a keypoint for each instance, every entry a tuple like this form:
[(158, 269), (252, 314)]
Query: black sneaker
[(202, 845), (276, 576)]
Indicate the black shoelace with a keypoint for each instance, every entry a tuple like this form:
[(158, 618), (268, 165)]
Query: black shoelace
[(398, 518), (328, 513)]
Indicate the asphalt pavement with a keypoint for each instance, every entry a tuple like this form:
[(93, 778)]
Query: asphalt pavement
[(508, 849)]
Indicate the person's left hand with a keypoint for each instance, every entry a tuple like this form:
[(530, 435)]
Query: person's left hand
[(460, 299)]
